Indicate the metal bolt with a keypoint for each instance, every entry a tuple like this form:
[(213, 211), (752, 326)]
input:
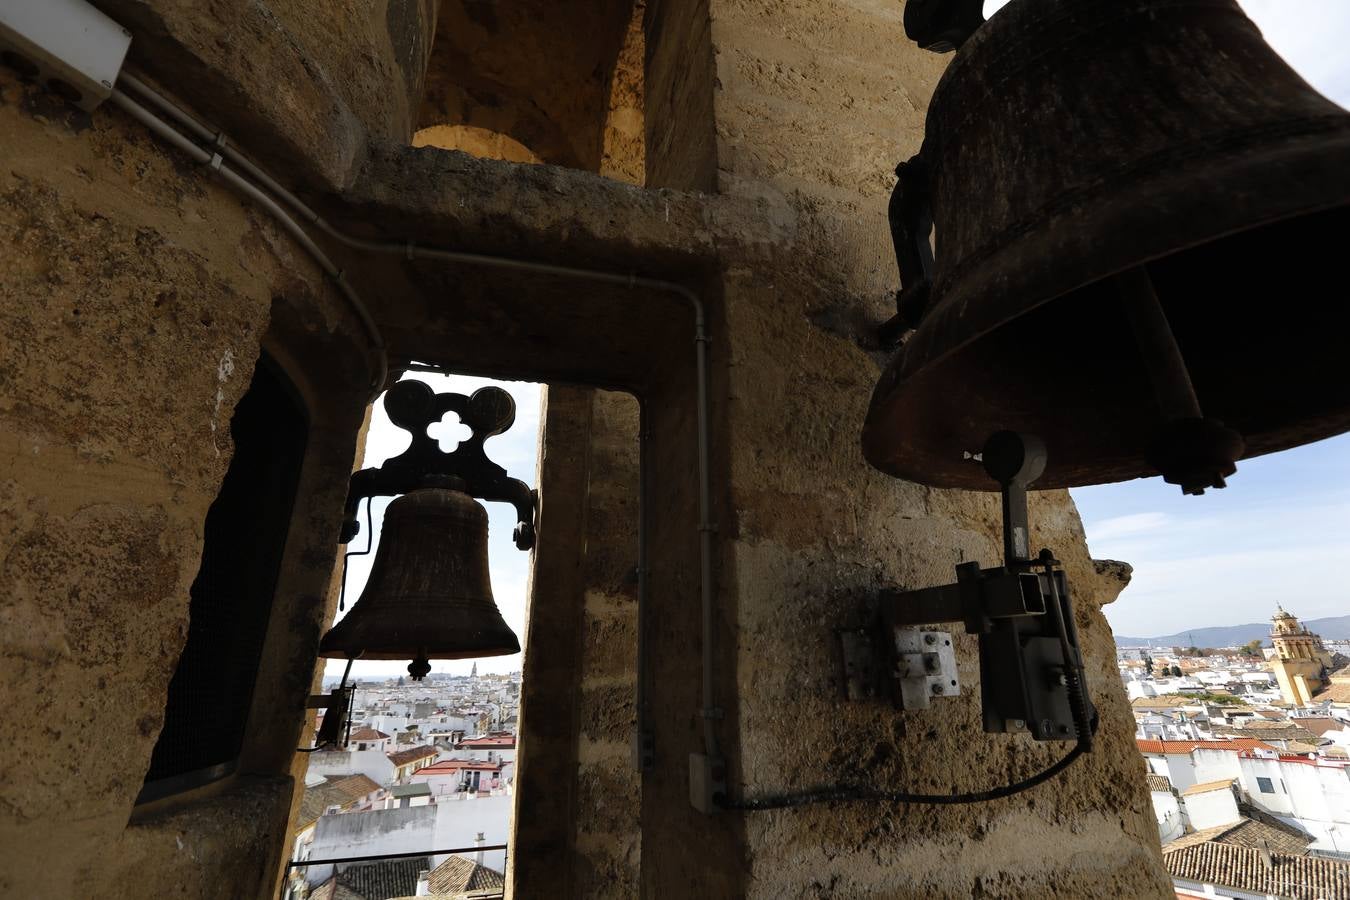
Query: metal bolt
[(937, 688), (1017, 724), (1063, 680), (930, 639)]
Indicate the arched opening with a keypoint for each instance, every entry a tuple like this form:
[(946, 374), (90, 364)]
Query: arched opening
[(539, 74), (476, 141)]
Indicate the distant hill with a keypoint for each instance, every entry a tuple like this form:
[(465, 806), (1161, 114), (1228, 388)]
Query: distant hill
[(1333, 628)]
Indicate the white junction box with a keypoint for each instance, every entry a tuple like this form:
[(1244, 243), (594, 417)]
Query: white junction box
[(71, 47)]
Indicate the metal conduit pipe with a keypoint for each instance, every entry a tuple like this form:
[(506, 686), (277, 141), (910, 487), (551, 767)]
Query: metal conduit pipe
[(641, 706), (409, 250), (233, 179)]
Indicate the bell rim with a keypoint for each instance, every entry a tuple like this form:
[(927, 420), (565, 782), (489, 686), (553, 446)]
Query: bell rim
[(390, 656)]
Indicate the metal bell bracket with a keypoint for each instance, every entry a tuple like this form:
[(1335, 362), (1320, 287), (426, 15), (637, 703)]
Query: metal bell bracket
[(942, 25), (414, 406), (911, 219), (1031, 671)]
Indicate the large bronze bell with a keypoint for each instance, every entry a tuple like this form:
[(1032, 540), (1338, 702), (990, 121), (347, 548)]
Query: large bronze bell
[(428, 595), (1082, 158)]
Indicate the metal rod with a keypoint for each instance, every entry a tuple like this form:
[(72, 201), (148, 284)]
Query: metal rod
[(1166, 366), (288, 224), (296, 864), (1016, 526), (641, 709)]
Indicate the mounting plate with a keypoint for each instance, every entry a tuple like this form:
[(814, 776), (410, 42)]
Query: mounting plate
[(925, 667)]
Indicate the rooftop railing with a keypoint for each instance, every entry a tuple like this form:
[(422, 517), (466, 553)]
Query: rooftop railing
[(293, 865)]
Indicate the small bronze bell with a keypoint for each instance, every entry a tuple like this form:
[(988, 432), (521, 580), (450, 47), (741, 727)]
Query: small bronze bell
[(1130, 198), (429, 595)]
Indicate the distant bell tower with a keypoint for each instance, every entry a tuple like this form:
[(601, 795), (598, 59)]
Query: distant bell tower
[(1300, 660), (473, 673)]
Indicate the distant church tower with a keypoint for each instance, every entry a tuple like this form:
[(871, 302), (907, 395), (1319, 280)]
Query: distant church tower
[(1300, 660), (473, 673)]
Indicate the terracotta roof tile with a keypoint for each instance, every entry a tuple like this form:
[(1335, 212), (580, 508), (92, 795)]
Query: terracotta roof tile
[(337, 790), (491, 741), (1207, 786), (1158, 783), (1152, 746), (384, 878), (403, 757), (1243, 868), (1336, 692), (1320, 725), (457, 875), (1164, 701), (368, 734)]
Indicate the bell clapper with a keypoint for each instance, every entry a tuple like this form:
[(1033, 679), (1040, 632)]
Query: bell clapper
[(419, 667), (1188, 449)]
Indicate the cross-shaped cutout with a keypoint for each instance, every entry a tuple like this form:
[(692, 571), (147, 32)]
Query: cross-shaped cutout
[(449, 432)]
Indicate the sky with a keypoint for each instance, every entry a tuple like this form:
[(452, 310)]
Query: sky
[(1280, 533)]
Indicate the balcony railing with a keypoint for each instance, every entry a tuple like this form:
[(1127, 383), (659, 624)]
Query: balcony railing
[(295, 864)]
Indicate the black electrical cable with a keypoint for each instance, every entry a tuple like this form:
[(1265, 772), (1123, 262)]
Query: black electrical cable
[(851, 793)]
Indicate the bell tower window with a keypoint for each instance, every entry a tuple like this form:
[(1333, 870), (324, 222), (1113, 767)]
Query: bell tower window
[(231, 598)]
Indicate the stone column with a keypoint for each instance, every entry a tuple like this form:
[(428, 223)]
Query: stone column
[(578, 835)]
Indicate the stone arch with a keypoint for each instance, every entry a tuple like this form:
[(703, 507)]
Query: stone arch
[(537, 72), (480, 142)]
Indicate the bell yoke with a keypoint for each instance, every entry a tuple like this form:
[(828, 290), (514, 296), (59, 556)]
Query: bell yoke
[(429, 595)]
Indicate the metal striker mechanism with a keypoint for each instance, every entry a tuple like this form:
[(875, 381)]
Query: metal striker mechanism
[(429, 595), (1031, 670)]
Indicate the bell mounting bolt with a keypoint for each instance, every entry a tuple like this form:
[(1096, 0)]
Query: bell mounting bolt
[(414, 406)]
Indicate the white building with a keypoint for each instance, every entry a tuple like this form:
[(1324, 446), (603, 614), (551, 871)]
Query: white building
[(413, 829), (1208, 805), (1312, 793), (374, 764), (1166, 808)]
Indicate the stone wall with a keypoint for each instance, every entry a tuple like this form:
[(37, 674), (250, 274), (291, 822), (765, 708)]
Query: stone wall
[(813, 106), (578, 714), (129, 275), (135, 297)]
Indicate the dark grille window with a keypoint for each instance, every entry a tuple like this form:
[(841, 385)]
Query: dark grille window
[(231, 598)]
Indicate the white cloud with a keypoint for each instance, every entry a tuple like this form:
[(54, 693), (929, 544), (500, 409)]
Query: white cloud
[(1124, 526)]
